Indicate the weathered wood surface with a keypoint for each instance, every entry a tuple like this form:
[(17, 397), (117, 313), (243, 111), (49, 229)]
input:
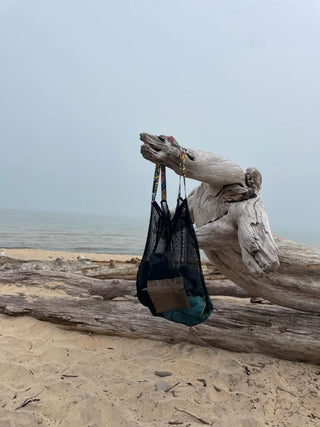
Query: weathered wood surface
[(43, 290), (104, 278), (233, 229)]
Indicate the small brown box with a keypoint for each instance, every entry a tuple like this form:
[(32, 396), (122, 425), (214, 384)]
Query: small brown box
[(168, 294)]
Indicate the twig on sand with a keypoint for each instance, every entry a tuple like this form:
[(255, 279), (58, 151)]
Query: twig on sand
[(26, 402), (170, 388), (201, 420), (29, 400), (68, 376), (287, 391)]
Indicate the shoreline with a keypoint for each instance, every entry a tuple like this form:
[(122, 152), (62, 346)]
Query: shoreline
[(44, 254)]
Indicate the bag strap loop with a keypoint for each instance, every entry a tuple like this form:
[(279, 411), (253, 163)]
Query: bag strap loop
[(162, 169), (159, 168), (182, 172)]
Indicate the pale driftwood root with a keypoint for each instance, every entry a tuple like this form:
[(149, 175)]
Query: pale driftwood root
[(61, 293), (236, 326), (90, 277), (233, 230)]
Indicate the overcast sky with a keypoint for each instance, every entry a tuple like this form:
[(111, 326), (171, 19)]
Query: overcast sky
[(79, 80)]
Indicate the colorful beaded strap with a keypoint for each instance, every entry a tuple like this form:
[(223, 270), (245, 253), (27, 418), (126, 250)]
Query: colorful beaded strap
[(162, 169), (182, 172), (156, 182)]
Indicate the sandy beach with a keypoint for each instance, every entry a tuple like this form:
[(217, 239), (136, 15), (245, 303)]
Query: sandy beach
[(53, 376)]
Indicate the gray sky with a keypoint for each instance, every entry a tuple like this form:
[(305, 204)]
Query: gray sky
[(79, 80)]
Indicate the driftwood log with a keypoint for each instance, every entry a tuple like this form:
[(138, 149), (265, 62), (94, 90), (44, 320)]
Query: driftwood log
[(233, 229), (108, 279), (65, 292)]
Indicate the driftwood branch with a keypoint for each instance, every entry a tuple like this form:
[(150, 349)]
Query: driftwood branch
[(234, 326), (62, 293), (199, 165), (233, 229), (96, 277)]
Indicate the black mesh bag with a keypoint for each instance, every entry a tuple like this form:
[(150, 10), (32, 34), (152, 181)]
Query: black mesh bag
[(170, 280)]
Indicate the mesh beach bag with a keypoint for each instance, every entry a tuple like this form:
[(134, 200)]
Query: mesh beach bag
[(170, 280)]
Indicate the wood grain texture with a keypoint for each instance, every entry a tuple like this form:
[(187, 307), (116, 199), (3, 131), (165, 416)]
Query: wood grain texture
[(60, 292), (233, 229), (43, 291), (99, 278)]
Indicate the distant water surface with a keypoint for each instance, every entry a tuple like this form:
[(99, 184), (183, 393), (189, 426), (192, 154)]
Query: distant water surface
[(72, 232), (306, 237), (90, 233)]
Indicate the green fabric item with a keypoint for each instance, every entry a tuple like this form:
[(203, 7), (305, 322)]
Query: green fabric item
[(189, 316)]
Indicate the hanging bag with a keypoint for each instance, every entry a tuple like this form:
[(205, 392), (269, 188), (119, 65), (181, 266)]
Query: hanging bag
[(170, 280)]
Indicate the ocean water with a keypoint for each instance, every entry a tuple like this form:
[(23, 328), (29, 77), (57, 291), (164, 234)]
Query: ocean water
[(72, 232), (306, 237), (91, 233)]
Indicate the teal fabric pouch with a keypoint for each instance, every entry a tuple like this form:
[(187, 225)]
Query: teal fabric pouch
[(189, 316)]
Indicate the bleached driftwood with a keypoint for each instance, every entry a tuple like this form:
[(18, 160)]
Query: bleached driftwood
[(233, 229), (62, 293), (96, 277)]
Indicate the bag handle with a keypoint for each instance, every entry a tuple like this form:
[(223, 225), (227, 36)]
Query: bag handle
[(182, 172), (182, 150), (162, 169), (159, 168)]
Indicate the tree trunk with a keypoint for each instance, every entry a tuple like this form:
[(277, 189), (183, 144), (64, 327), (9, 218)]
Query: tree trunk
[(96, 277), (233, 229), (61, 293)]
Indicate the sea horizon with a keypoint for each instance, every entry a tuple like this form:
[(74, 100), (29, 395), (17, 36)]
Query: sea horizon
[(72, 232), (97, 233)]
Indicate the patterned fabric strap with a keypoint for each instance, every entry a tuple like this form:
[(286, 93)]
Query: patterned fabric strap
[(182, 171), (159, 168), (163, 183)]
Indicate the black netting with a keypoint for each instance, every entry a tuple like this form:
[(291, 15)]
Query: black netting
[(171, 253)]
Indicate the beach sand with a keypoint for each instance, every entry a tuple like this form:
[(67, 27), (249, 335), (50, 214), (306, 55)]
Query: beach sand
[(68, 378), (40, 254)]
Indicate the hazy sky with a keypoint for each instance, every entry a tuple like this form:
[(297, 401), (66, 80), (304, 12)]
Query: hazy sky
[(79, 80)]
